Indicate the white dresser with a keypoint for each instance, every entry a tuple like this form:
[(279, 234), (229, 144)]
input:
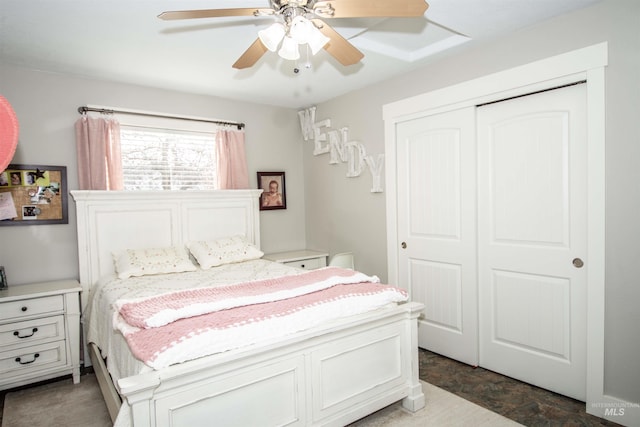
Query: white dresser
[(304, 258), (39, 332)]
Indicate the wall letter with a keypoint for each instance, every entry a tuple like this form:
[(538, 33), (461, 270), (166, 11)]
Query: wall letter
[(319, 138), (307, 122), (355, 162), (338, 151), (340, 148), (376, 171)]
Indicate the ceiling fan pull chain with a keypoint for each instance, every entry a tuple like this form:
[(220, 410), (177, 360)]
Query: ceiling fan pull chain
[(307, 64)]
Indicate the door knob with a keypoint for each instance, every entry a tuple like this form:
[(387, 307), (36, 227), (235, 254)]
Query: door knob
[(577, 263), (403, 245)]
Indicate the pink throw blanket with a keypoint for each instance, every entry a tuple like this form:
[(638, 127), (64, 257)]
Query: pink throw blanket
[(163, 309), (249, 316)]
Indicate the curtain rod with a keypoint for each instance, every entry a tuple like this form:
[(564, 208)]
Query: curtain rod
[(85, 109)]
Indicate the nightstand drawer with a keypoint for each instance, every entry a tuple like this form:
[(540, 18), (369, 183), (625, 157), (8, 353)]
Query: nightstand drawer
[(307, 264), (32, 358), (29, 332), (39, 332), (13, 310), (304, 258)]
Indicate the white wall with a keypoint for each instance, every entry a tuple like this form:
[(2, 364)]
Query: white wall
[(46, 105), (343, 215)]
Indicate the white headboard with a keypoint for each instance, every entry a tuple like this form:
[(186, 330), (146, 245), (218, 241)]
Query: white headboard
[(111, 221)]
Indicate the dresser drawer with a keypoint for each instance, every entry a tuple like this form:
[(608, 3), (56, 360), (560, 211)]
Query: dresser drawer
[(33, 358), (29, 332), (307, 264), (12, 310), (39, 332)]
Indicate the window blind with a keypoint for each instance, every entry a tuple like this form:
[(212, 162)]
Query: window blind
[(165, 159)]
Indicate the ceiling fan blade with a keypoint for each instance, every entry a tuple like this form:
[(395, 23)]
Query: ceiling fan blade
[(251, 55), (338, 46), (370, 8), (211, 13)]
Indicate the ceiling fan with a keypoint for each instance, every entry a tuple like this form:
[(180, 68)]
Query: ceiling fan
[(299, 23)]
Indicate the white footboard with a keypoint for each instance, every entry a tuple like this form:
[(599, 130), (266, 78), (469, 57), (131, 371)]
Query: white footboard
[(327, 376)]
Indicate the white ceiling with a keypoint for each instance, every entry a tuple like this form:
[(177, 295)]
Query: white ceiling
[(124, 41)]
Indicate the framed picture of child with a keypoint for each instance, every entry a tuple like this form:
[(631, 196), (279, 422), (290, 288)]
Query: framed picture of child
[(273, 190), (3, 279)]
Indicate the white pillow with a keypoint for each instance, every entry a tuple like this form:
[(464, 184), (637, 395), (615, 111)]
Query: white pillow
[(213, 253), (142, 262)]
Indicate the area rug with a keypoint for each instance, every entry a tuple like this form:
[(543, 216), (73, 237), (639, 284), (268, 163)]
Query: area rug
[(63, 404), (443, 409)]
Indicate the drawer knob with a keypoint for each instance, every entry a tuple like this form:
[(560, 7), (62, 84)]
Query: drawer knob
[(24, 309), (35, 356), (17, 333)]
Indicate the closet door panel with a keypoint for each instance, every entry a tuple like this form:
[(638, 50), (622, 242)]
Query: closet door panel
[(529, 182), (532, 238), (436, 229)]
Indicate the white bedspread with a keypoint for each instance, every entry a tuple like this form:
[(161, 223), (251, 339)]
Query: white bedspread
[(98, 317), (180, 326), (111, 292)]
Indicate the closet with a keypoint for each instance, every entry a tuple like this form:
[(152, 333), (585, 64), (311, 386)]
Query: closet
[(489, 227)]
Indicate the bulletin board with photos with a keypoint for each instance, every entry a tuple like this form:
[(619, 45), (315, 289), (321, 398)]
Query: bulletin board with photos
[(33, 195)]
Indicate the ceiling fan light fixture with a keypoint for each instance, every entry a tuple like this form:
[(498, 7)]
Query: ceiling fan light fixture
[(289, 49), (300, 24), (272, 36), (305, 32), (317, 40), (300, 29)]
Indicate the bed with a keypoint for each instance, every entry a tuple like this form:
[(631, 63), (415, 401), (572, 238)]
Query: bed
[(329, 372)]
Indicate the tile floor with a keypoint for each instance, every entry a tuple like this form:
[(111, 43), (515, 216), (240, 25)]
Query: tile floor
[(521, 402)]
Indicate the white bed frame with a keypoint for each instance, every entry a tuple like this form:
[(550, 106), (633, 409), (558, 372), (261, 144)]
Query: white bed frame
[(330, 375)]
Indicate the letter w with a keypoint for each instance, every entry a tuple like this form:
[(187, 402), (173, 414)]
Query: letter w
[(307, 122)]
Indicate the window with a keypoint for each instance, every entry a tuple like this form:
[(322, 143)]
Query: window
[(162, 159), (167, 154)]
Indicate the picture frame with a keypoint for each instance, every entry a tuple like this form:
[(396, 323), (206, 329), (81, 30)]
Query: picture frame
[(273, 189), (33, 195), (3, 278)]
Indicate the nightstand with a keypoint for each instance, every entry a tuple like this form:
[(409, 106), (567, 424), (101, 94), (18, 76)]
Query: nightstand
[(306, 259), (39, 332)]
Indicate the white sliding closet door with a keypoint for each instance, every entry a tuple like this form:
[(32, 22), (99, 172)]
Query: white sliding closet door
[(436, 174), (532, 238)]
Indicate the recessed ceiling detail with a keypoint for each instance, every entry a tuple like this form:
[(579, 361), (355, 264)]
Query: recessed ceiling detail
[(409, 41)]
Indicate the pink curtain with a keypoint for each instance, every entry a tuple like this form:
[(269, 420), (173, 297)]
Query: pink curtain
[(98, 149), (232, 161)]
